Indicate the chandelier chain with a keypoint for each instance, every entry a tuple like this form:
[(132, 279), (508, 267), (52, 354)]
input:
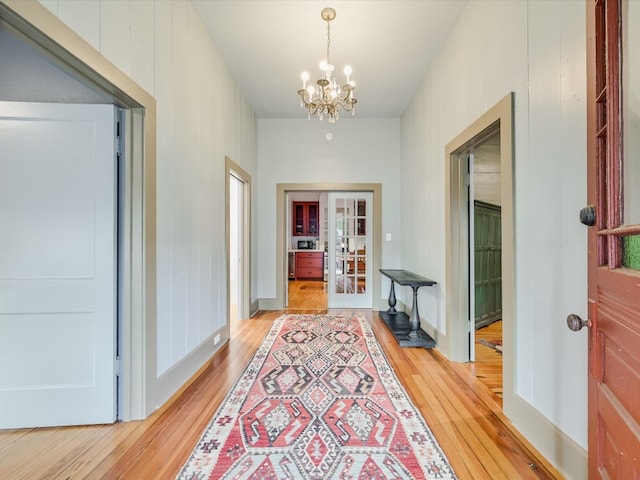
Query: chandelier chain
[(328, 41)]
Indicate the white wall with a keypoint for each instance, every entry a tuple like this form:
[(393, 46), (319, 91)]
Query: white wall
[(201, 117), (537, 50), (296, 151)]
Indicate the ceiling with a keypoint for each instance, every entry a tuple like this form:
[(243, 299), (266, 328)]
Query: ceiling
[(388, 43), (268, 43)]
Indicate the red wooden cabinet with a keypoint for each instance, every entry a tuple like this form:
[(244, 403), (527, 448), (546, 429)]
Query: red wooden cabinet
[(310, 265), (305, 218), (361, 218)]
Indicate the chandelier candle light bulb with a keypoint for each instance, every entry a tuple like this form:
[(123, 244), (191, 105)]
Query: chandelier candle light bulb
[(347, 72), (328, 98)]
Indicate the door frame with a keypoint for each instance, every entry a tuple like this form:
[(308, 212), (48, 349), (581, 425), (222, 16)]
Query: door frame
[(457, 314), (137, 258), (278, 303), (232, 168)]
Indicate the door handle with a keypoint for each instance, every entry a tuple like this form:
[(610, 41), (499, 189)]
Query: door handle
[(588, 216), (575, 323)]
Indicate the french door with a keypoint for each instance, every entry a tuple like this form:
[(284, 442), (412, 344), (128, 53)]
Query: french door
[(614, 238), (349, 252)]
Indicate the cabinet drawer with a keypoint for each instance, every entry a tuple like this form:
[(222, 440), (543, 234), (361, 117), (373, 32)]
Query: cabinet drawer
[(309, 262), (302, 272), (310, 254)]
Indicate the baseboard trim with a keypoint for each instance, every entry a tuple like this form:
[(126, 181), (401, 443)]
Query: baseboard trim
[(254, 308), (555, 445), (438, 336), (174, 381), (270, 304)]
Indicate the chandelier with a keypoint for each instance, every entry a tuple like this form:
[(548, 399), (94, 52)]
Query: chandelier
[(327, 97)]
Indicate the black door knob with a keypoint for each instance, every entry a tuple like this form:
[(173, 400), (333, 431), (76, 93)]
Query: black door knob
[(575, 323), (588, 216)]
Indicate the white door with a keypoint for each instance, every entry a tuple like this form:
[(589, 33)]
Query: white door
[(236, 234), (350, 227), (472, 257), (57, 264)]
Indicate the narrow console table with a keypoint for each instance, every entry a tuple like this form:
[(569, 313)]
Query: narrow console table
[(406, 329)]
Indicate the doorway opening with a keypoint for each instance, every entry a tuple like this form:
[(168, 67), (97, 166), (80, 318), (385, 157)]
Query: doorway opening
[(484, 208), (306, 251), (285, 197), (479, 248), (89, 75), (329, 250), (238, 224)]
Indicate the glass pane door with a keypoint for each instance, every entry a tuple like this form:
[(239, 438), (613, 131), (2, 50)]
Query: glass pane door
[(349, 283)]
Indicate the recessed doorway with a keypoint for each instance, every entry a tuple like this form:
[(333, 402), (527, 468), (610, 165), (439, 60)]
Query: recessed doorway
[(284, 237), (479, 256), (330, 250), (238, 224), (485, 260), (307, 237)]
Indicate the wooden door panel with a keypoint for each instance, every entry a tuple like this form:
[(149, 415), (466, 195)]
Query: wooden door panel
[(614, 419), (614, 291), (618, 365), (618, 440), (488, 268)]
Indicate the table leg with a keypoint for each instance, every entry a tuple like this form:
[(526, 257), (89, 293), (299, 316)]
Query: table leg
[(392, 300), (414, 321)]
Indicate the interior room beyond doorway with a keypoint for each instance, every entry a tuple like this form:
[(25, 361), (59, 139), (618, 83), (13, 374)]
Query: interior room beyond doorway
[(329, 245), (307, 246), (485, 266)]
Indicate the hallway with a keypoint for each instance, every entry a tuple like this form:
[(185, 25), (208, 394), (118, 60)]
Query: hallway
[(464, 415)]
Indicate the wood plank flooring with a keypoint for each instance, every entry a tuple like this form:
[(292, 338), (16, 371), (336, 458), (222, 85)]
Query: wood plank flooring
[(488, 361), (463, 413), (307, 295)]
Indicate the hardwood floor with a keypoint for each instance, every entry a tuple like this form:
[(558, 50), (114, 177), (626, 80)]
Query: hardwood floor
[(463, 413), (307, 295), (488, 361)]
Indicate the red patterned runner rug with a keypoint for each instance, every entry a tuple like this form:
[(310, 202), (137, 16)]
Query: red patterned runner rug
[(318, 400)]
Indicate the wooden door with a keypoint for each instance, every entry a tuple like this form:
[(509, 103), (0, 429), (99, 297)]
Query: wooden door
[(350, 247), (487, 233), (57, 264), (614, 248)]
